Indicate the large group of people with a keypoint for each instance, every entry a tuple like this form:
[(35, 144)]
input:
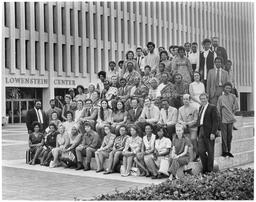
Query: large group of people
[(152, 107)]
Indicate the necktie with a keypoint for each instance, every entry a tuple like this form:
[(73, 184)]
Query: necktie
[(148, 114), (166, 113), (200, 116), (39, 119), (218, 77)]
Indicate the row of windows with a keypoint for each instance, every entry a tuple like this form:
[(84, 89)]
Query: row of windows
[(28, 7), (38, 56)]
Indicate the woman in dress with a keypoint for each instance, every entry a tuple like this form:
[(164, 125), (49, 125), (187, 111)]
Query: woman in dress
[(35, 142), (182, 65), (62, 143), (66, 107), (69, 123), (130, 58), (106, 147), (179, 154), (104, 117), (165, 59), (162, 149), (74, 140), (196, 88), (80, 95), (188, 115), (116, 153), (119, 116), (147, 150), (50, 143), (132, 147)]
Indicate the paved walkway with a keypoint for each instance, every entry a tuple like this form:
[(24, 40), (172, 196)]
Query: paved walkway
[(26, 182)]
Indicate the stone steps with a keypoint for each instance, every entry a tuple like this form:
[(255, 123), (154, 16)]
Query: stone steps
[(241, 158)]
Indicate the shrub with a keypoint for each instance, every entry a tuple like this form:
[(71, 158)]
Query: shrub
[(230, 184)]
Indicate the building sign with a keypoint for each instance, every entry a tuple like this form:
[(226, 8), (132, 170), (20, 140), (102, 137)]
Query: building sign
[(18, 81), (64, 82)]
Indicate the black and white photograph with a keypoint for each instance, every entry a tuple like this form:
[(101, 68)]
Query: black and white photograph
[(127, 100)]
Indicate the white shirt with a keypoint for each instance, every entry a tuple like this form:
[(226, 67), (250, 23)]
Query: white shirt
[(220, 84), (205, 67), (162, 144), (149, 144), (194, 59), (159, 89), (39, 115), (78, 114), (202, 116)]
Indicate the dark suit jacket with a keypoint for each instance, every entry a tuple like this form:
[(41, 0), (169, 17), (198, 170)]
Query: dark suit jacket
[(32, 116), (209, 62), (131, 117), (223, 53), (210, 122)]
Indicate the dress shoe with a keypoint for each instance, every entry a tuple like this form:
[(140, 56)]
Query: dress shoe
[(230, 155), (98, 171), (234, 128), (224, 154), (154, 177), (79, 166)]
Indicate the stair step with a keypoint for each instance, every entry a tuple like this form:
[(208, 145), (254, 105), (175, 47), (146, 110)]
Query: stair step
[(237, 146), (244, 132), (239, 159)]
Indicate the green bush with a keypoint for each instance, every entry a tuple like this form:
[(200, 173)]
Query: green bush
[(231, 184)]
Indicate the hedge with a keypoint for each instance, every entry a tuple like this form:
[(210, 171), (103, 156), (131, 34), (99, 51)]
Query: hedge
[(230, 184)]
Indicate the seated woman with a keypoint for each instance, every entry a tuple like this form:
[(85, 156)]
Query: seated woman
[(74, 140), (69, 123), (35, 142), (162, 150), (54, 119), (116, 153), (119, 116), (132, 147), (62, 143), (50, 143), (105, 149), (147, 149), (179, 154), (104, 117), (188, 115)]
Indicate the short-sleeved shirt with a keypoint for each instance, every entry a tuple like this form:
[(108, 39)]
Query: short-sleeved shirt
[(162, 144), (34, 139), (180, 144), (51, 139), (134, 143), (120, 141), (149, 144)]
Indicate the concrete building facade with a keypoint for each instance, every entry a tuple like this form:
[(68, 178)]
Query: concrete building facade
[(49, 47)]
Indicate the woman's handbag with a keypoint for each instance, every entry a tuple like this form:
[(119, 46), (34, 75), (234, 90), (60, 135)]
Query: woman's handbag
[(164, 166), (68, 156), (135, 171)]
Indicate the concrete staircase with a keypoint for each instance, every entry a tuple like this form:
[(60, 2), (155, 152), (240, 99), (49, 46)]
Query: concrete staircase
[(242, 147)]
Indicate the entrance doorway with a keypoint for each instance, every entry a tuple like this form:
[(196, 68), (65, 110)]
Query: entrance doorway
[(19, 101)]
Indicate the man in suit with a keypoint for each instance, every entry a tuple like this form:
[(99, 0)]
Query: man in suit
[(215, 81), (187, 47), (206, 60), (168, 117), (36, 114), (218, 50), (207, 132), (89, 113), (139, 58), (134, 113)]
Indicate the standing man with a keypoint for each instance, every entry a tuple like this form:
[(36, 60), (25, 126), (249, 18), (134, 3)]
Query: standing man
[(36, 114), (207, 132), (219, 51), (206, 60), (52, 109), (217, 77), (152, 59), (139, 58), (187, 47), (227, 106), (194, 57)]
